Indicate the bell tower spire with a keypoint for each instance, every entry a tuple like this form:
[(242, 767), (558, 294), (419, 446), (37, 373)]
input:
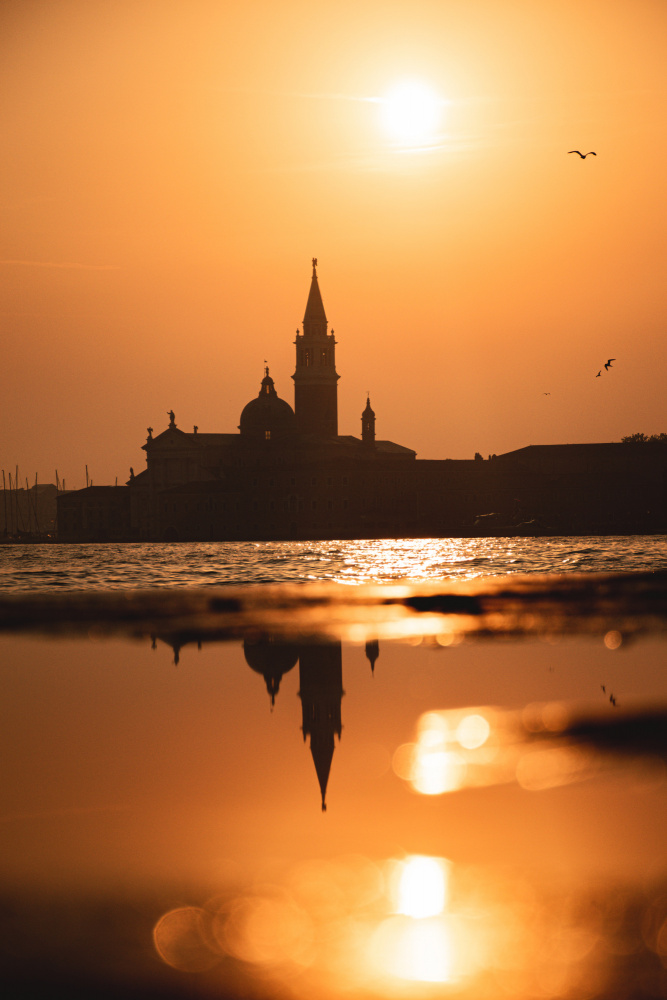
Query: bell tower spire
[(315, 378)]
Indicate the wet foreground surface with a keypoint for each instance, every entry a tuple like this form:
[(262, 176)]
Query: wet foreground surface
[(316, 792)]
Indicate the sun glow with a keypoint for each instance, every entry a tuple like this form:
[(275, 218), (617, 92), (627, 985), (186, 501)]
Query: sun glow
[(422, 886), (411, 112)]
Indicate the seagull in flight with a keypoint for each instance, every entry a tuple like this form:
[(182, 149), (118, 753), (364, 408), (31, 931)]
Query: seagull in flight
[(582, 155), (599, 373), (608, 364)]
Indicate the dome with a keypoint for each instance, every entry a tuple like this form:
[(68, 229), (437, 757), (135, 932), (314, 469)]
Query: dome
[(268, 416), (270, 657)]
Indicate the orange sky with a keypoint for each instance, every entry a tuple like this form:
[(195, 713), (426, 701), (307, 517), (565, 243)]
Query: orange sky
[(171, 168)]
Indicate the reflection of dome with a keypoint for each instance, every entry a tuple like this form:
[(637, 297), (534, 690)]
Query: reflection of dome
[(271, 658), (268, 416)]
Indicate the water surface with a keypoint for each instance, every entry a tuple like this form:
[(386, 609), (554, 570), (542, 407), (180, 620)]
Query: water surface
[(202, 564), (494, 823), (490, 744)]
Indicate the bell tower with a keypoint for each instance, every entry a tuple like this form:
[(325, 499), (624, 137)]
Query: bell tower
[(315, 378)]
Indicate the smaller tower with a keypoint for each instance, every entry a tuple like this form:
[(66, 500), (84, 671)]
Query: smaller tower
[(368, 425)]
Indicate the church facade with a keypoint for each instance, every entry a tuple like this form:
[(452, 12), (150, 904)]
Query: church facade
[(288, 474)]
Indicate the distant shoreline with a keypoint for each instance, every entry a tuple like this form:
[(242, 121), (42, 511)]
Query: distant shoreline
[(505, 531)]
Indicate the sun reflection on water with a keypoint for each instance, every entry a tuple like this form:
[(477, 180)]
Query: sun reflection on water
[(420, 886), (417, 923), (416, 942), (453, 750), (361, 922), (542, 746), (414, 926), (414, 950)]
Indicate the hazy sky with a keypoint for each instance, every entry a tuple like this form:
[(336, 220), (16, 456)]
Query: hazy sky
[(171, 166)]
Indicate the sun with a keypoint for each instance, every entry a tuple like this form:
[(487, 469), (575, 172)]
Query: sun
[(411, 112)]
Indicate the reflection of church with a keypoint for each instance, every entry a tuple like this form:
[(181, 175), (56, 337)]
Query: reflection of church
[(320, 689), (320, 686), (289, 474)]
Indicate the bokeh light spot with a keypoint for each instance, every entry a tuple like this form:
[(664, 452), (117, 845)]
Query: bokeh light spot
[(269, 929), (473, 731), (180, 940), (613, 639)]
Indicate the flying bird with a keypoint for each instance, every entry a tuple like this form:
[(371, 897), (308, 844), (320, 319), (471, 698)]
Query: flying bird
[(599, 373), (582, 155), (608, 363)]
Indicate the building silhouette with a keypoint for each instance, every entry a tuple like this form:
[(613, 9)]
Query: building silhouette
[(288, 474)]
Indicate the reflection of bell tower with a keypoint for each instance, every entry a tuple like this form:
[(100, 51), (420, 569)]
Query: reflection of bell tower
[(315, 378), (321, 692)]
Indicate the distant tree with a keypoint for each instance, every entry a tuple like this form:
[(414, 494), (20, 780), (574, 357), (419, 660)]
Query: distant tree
[(478, 457), (640, 438)]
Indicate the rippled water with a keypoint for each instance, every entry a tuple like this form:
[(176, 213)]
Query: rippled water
[(197, 564), (134, 856)]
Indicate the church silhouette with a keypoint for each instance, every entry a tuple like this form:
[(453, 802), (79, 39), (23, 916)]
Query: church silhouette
[(289, 475)]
